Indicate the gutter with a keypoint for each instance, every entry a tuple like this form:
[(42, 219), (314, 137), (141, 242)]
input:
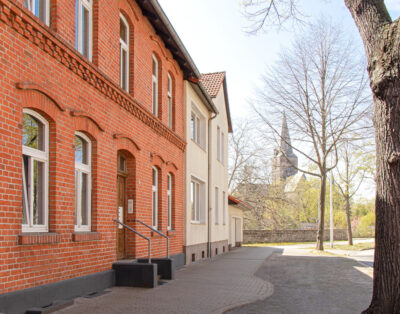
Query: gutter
[(209, 186)]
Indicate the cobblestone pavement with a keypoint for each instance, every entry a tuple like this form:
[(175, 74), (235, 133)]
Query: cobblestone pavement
[(205, 287), (308, 283)]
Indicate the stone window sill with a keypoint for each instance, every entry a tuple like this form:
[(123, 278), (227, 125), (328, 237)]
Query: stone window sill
[(86, 236), (31, 238), (171, 233)]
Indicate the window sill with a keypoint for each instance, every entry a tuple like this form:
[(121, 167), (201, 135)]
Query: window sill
[(39, 238), (199, 145), (171, 233), (79, 236)]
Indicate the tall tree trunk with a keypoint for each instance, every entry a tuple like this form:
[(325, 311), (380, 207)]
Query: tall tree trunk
[(349, 233), (320, 233), (382, 41)]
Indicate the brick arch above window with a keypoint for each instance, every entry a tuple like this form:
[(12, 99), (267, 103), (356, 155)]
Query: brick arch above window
[(157, 160), (124, 142), (40, 89), (87, 123)]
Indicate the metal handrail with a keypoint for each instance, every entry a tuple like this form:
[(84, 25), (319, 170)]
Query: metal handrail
[(138, 233), (159, 232)]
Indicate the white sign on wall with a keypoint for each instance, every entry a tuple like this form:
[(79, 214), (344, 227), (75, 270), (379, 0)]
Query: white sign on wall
[(130, 206)]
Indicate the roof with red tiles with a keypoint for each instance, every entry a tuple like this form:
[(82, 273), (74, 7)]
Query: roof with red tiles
[(239, 203), (212, 82)]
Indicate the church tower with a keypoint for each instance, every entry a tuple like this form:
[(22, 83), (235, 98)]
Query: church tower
[(284, 162)]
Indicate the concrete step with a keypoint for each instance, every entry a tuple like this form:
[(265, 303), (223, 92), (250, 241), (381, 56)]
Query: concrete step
[(133, 274), (165, 267)]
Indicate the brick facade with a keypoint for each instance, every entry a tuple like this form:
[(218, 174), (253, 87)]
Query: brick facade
[(41, 70)]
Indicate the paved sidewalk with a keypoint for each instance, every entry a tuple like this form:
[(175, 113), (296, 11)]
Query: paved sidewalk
[(307, 282), (213, 286)]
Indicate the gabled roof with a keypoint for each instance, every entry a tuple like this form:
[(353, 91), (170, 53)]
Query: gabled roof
[(153, 11), (212, 82), (238, 203)]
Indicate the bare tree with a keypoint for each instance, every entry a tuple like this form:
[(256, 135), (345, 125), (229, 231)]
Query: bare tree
[(318, 84), (351, 172), (381, 40)]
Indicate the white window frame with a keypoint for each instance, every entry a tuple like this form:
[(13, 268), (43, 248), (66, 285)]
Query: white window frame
[(31, 6), (41, 156), (170, 102), (86, 169), (224, 207), (196, 215), (169, 201), (218, 143), (154, 197), (216, 205), (223, 148), (87, 4), (154, 86), (197, 134), (124, 46)]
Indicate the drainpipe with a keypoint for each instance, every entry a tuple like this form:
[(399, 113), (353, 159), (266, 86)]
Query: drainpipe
[(209, 185)]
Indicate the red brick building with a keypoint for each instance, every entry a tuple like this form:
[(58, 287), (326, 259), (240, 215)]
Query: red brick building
[(91, 129)]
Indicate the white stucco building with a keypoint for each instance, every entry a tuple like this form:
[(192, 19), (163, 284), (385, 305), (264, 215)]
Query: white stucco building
[(207, 128)]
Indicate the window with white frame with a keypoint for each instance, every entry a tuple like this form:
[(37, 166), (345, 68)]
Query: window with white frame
[(170, 106), (83, 176), (124, 53), (84, 26), (155, 196), (169, 200), (35, 173), (41, 9), (224, 208), (197, 128), (155, 86), (218, 143), (197, 201), (216, 205), (222, 147)]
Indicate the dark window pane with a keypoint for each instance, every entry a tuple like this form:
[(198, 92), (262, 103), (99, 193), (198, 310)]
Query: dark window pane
[(84, 199), (32, 134), (38, 188), (85, 32), (123, 31), (81, 150)]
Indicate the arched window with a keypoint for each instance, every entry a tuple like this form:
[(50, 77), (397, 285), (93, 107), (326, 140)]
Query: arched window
[(84, 27), (83, 175), (170, 104), (41, 9), (169, 200), (35, 173), (124, 53), (155, 86), (155, 196)]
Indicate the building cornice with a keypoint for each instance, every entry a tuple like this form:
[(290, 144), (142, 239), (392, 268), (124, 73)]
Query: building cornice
[(31, 29)]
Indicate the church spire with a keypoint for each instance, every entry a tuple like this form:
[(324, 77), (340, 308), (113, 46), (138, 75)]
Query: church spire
[(284, 162), (285, 144)]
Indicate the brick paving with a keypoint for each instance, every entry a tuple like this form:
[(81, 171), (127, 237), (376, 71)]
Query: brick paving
[(213, 286), (307, 283)]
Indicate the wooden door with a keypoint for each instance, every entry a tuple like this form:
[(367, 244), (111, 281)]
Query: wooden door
[(121, 217)]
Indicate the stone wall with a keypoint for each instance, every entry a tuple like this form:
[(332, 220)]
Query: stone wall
[(277, 236)]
